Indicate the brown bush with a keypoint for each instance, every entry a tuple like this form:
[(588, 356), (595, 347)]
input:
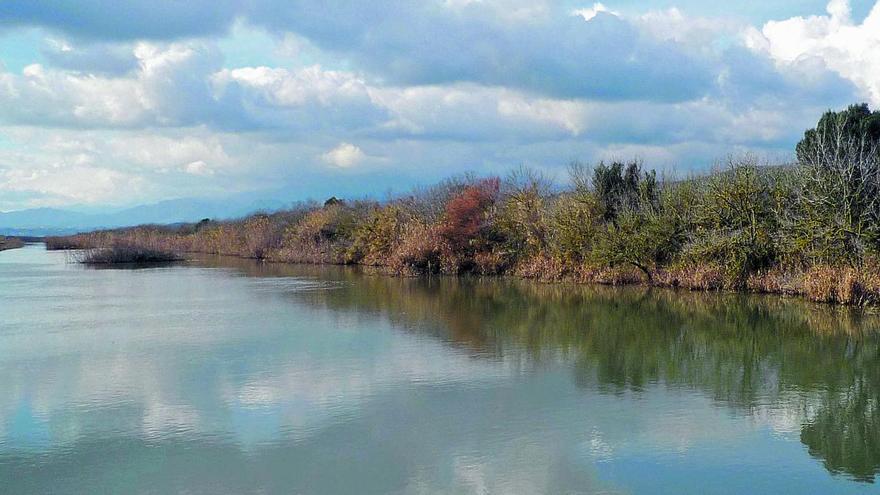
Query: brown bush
[(258, 237), (692, 276), (620, 275), (121, 253), (421, 250), (542, 267), (820, 284), (490, 263), (10, 243)]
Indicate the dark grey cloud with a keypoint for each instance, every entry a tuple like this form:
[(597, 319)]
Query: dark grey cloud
[(404, 42), (747, 76), (547, 52), (560, 55)]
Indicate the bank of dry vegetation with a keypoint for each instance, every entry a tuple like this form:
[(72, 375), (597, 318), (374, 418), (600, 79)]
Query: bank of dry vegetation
[(118, 251), (810, 228), (10, 243)]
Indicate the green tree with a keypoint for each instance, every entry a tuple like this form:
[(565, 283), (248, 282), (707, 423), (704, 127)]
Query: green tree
[(839, 197), (837, 131), (622, 186), (637, 230)]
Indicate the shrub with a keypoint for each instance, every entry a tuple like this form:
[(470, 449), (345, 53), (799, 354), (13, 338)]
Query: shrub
[(811, 228), (10, 243), (66, 242), (733, 222), (466, 224), (640, 239), (420, 250), (121, 253), (323, 235), (521, 220), (374, 239), (257, 237), (574, 219), (841, 284), (837, 133), (466, 214)]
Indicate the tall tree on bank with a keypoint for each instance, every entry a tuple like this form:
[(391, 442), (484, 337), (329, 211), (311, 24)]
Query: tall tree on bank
[(840, 185)]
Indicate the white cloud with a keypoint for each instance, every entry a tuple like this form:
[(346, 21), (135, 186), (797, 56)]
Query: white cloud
[(151, 151), (346, 101), (48, 96), (562, 114), (166, 119), (74, 184), (284, 87), (169, 88), (52, 167), (345, 155), (198, 167), (591, 12), (291, 46), (851, 50), (692, 32)]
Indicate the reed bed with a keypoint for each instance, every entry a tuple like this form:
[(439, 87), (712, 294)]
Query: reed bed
[(10, 243), (126, 254)]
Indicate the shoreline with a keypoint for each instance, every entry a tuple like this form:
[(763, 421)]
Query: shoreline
[(746, 228), (602, 277), (7, 243), (821, 283)]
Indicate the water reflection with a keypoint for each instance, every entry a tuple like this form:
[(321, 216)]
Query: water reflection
[(229, 376), (814, 367)]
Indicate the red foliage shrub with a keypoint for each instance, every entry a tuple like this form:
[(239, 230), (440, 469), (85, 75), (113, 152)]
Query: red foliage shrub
[(466, 213)]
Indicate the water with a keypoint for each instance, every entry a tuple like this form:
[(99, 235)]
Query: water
[(226, 376)]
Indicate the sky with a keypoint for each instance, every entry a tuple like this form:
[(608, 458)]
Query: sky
[(122, 103)]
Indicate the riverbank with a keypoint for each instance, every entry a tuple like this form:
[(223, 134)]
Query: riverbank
[(810, 229), (819, 283), (10, 243)]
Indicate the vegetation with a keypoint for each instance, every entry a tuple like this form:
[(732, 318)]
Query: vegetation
[(809, 228), (10, 243), (121, 253)]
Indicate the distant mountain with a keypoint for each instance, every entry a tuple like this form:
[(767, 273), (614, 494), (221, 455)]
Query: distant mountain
[(54, 221), (80, 218)]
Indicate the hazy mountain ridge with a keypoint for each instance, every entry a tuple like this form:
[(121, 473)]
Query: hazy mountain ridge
[(52, 221)]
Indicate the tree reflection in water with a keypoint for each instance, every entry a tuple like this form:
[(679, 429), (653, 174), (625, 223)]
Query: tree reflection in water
[(750, 353)]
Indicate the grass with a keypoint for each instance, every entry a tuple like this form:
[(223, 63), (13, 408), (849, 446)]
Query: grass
[(127, 254), (63, 243)]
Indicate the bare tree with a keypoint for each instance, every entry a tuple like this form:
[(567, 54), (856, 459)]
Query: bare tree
[(839, 192)]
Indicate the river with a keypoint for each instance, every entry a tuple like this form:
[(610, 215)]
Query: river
[(225, 375)]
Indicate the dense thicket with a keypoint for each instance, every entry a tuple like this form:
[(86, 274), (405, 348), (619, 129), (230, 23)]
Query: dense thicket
[(10, 243), (810, 228)]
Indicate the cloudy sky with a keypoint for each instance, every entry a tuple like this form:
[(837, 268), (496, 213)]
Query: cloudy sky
[(104, 104)]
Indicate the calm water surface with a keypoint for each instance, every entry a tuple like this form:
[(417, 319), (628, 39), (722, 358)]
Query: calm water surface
[(226, 376)]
